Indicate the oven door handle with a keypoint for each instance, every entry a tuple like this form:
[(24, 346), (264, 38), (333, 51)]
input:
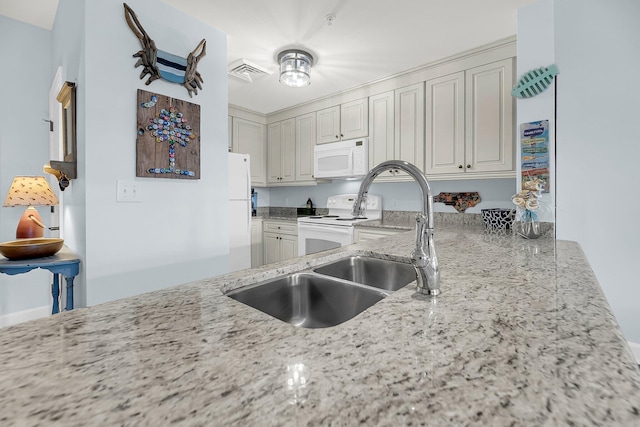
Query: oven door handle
[(339, 230)]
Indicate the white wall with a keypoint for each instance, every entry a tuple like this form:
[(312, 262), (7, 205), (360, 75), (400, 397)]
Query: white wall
[(595, 46), (67, 52), (598, 53), (535, 50), (24, 145), (397, 196), (178, 233)]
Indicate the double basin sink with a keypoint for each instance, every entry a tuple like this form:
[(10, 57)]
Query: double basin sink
[(329, 294)]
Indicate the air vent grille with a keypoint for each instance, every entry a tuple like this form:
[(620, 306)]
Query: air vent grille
[(247, 71)]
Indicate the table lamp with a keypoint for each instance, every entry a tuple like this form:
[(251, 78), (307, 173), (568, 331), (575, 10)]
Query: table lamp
[(30, 191)]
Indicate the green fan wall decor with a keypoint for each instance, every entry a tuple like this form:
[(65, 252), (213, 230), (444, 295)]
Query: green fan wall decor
[(535, 82)]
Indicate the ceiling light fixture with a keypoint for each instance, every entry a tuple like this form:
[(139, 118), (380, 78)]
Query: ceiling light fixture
[(295, 67)]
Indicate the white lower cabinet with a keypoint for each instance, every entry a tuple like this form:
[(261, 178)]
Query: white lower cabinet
[(364, 234), (256, 242), (280, 240)]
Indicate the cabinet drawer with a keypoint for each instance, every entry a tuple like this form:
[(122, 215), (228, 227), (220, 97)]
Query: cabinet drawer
[(281, 227), (365, 234)]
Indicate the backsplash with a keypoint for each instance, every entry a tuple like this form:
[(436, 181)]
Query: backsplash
[(402, 218)]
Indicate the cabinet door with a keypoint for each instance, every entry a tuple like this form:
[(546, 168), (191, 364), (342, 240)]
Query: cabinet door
[(271, 248), (305, 141), (288, 246), (489, 117), (328, 125), (381, 128), (256, 242), (287, 150), (444, 126), (274, 153), (409, 125), (354, 119), (248, 138)]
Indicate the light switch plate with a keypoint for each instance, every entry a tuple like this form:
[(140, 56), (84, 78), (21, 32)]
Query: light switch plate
[(128, 191)]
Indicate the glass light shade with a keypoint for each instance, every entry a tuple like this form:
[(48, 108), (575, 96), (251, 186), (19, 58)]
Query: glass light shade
[(295, 68)]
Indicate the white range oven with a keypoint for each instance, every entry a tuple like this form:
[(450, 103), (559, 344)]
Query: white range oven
[(323, 232)]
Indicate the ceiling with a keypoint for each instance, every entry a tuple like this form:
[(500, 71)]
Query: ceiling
[(367, 41)]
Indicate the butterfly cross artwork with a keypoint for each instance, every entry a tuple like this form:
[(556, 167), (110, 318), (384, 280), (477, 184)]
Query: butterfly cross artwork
[(158, 64)]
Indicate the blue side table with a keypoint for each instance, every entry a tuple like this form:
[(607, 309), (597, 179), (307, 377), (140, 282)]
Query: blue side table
[(64, 263)]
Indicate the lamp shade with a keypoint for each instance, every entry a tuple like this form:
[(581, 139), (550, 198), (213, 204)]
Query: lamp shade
[(295, 67), (30, 191)]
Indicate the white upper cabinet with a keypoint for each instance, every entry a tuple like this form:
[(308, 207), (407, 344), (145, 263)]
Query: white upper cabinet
[(354, 119), (248, 138), (409, 125), (281, 142), (489, 118), (328, 125), (305, 141), (444, 114), (347, 121), (469, 123), (396, 129), (381, 129)]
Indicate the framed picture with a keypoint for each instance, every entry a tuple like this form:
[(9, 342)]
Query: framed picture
[(67, 98), (168, 142)]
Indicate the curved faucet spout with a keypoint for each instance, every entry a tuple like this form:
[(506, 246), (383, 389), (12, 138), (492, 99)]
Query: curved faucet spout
[(423, 257)]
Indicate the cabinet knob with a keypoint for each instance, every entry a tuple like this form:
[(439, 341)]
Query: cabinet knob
[(468, 166), (459, 166), (337, 137)]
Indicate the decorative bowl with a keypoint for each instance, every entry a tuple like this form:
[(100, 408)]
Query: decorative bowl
[(31, 248), (497, 218)]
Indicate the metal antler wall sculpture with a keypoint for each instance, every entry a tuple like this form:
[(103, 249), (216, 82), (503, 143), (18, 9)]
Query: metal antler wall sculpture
[(159, 64)]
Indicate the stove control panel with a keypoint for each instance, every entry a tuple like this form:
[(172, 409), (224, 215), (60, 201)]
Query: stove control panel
[(346, 201)]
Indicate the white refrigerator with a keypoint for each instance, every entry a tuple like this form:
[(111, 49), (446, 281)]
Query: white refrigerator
[(239, 212)]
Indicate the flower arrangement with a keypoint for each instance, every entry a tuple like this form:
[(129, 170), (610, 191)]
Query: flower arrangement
[(527, 201)]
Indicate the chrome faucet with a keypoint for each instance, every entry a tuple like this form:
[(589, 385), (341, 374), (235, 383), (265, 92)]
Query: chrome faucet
[(423, 257)]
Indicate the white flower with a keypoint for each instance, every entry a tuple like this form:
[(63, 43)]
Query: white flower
[(532, 204)]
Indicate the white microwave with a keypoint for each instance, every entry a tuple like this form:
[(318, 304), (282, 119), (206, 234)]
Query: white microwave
[(344, 159)]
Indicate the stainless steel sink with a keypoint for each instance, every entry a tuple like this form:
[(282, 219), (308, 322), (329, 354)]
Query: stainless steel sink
[(309, 300), (379, 273)]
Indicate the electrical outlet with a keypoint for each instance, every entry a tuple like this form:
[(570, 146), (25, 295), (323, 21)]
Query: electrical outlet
[(128, 191)]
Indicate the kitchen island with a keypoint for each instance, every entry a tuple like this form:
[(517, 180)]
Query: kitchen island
[(521, 335)]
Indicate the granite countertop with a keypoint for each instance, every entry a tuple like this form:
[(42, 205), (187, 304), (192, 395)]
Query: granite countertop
[(521, 335)]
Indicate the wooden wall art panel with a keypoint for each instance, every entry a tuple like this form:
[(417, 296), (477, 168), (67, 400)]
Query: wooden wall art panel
[(168, 142)]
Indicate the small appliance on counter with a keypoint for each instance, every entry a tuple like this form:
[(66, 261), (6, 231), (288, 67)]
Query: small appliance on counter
[(254, 202), (308, 210)]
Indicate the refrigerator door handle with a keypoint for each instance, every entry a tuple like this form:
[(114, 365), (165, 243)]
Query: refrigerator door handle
[(248, 182), (248, 195)]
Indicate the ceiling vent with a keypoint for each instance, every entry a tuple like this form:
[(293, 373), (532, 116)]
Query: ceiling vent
[(247, 71)]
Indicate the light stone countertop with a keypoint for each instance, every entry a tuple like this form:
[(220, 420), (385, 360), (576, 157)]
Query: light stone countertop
[(521, 335)]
